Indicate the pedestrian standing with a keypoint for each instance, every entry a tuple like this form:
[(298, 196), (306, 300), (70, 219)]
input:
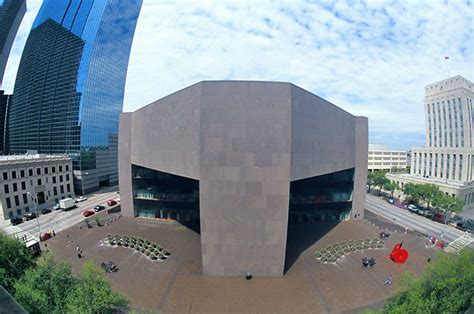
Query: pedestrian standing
[(78, 251), (406, 229), (388, 281)]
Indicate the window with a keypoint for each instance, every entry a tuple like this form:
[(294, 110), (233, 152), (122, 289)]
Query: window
[(67, 177), (5, 176), (53, 169), (17, 200), (39, 181), (38, 171), (9, 204), (62, 189), (13, 174), (25, 199), (27, 209), (61, 178), (10, 215), (30, 172), (6, 189), (15, 187), (23, 185), (22, 173), (31, 182), (60, 168), (18, 211), (46, 179), (68, 187), (54, 179), (67, 167), (46, 170), (55, 192)]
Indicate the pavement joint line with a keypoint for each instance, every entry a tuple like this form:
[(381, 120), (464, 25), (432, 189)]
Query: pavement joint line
[(316, 289), (174, 275)]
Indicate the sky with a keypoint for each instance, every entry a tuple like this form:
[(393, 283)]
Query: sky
[(371, 58)]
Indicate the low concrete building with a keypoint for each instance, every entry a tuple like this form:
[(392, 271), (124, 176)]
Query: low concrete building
[(240, 162), (382, 158), (46, 179)]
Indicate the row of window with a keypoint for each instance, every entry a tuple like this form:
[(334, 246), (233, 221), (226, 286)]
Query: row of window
[(6, 187), (16, 198), (439, 162), (14, 174)]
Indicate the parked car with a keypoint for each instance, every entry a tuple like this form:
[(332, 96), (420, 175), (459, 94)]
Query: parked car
[(111, 202), (88, 213), (16, 221), (57, 206), (98, 208), (438, 217), (45, 211), (29, 216), (81, 199), (390, 200), (426, 213), (413, 208)]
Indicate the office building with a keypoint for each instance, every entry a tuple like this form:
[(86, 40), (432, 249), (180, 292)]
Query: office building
[(46, 179), (11, 14), (448, 158), (69, 88), (382, 158), (243, 161), (4, 102)]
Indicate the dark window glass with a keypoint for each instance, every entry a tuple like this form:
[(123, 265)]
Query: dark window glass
[(6, 189), (67, 167), (54, 179), (23, 185), (18, 211), (53, 169), (22, 173), (13, 174), (46, 170), (60, 168), (25, 199), (15, 187), (39, 181), (61, 178), (67, 177), (38, 171), (9, 205), (27, 209), (17, 200), (30, 172), (62, 189), (55, 192), (5, 176), (68, 188)]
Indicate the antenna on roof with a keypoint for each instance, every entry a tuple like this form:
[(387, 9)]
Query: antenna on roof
[(446, 67)]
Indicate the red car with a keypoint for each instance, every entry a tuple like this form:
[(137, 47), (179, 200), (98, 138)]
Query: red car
[(88, 213), (111, 202)]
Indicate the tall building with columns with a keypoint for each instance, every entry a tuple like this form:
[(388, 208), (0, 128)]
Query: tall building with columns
[(448, 158)]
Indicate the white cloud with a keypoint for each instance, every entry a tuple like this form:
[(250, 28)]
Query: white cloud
[(371, 58)]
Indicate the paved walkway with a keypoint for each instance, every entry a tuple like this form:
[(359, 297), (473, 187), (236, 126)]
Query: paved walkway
[(177, 284)]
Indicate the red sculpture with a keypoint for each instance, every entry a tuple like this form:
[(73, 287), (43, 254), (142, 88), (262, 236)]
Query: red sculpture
[(399, 255)]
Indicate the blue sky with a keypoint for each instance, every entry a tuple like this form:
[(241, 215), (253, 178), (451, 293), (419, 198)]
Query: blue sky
[(371, 58)]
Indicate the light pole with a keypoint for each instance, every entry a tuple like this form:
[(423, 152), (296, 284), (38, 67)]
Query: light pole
[(37, 215)]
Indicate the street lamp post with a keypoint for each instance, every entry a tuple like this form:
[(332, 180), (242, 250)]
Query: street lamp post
[(37, 214)]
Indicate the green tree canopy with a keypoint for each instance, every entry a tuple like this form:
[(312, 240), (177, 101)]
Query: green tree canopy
[(44, 288), (93, 294), (379, 179), (446, 286), (14, 260), (448, 203), (427, 193), (390, 186)]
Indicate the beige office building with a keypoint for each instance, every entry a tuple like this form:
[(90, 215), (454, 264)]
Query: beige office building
[(382, 158), (448, 158), (46, 179)]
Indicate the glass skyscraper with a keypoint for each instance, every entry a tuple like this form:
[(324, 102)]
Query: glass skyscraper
[(69, 88), (11, 14)]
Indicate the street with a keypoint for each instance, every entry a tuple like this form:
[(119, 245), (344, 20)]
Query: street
[(59, 220), (413, 221)]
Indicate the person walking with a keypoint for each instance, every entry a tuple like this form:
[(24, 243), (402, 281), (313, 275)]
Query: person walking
[(388, 281), (78, 251)]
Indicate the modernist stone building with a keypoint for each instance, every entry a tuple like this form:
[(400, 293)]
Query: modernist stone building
[(242, 160)]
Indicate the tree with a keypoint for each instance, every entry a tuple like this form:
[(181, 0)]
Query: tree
[(44, 289), (448, 203), (94, 295), (446, 286), (370, 179), (14, 260), (380, 180), (391, 187), (428, 193), (412, 191)]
